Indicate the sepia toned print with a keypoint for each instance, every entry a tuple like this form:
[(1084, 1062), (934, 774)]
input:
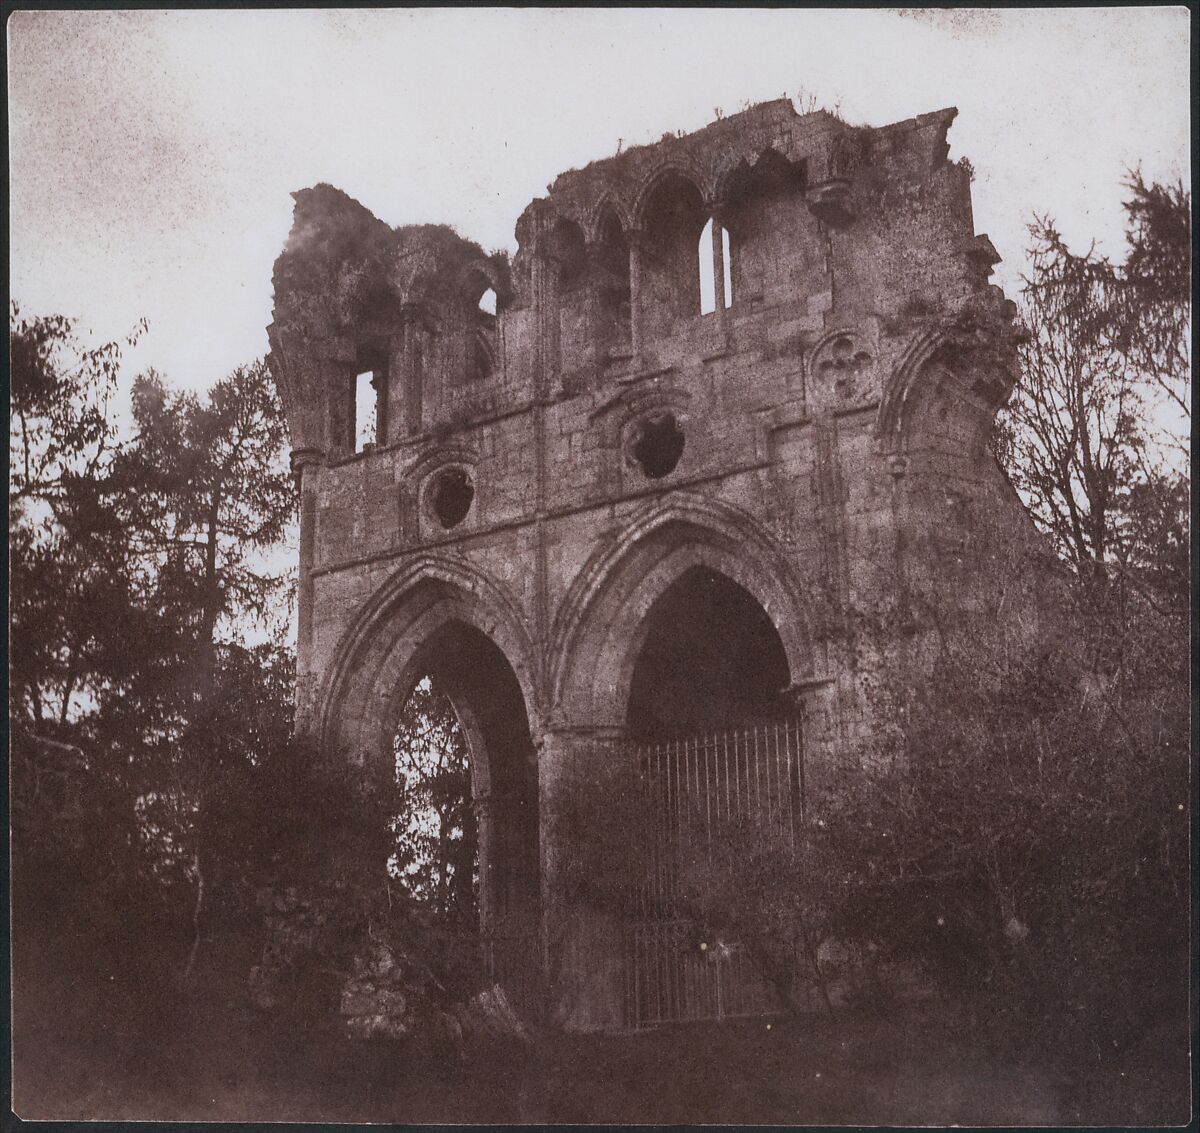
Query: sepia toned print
[(716, 660)]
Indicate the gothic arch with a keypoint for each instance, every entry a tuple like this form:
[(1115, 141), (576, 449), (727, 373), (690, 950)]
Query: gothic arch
[(600, 629), (593, 222), (893, 422), (740, 171), (663, 172), (940, 377), (380, 654)]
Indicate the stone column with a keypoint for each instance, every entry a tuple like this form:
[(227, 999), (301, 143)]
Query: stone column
[(379, 383), (635, 293), (414, 376), (485, 835), (582, 941), (339, 401), (306, 468), (718, 255)]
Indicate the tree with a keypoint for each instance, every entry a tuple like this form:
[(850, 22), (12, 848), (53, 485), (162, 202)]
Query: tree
[(436, 838), (208, 495), (1106, 343), (1034, 805), (1152, 293), (59, 397), (70, 566), (213, 493)]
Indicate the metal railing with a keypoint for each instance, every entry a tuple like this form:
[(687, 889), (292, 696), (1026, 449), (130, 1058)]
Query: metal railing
[(697, 789)]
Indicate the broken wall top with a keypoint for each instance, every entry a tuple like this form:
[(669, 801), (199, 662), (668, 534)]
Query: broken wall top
[(829, 229), (820, 145)]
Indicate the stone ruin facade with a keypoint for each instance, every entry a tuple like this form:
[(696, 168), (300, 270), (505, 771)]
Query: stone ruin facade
[(726, 376)]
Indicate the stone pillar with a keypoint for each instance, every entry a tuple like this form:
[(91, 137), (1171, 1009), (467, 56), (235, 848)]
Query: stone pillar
[(418, 372), (635, 293), (544, 272), (485, 836), (582, 941), (379, 383), (306, 468), (339, 415), (718, 255)]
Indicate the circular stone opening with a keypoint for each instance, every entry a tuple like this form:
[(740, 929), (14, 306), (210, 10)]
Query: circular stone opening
[(659, 445), (451, 496)]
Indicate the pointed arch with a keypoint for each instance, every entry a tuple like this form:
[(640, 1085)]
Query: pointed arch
[(607, 206), (600, 628), (768, 166), (942, 374), (377, 658), (660, 176)]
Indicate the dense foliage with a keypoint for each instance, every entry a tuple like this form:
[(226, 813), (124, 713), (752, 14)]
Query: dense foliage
[(141, 578), (1094, 436), (433, 816)]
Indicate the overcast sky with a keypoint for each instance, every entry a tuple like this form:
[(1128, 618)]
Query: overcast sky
[(152, 153)]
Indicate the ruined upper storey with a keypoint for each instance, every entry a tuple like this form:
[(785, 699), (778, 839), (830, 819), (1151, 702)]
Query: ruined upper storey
[(768, 233)]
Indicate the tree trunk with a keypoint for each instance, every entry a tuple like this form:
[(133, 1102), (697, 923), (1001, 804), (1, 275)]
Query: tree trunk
[(196, 910)]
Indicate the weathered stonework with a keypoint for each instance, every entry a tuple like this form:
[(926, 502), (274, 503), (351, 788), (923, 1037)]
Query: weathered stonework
[(839, 403)]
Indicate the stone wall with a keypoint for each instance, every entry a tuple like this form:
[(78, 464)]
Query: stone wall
[(837, 407)]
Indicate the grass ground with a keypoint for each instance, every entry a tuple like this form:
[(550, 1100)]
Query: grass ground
[(177, 1057)]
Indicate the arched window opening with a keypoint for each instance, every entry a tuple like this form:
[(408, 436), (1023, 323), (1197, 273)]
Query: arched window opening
[(727, 266), (766, 203), (708, 271), (708, 293), (711, 658), (366, 411), (478, 329), (568, 249), (482, 358), (670, 284), (436, 849), (611, 260)]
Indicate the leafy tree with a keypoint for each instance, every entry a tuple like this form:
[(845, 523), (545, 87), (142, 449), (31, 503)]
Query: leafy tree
[(1033, 813), (207, 495), (70, 566), (59, 397), (1152, 292), (212, 493), (1106, 344), (436, 840), (136, 561)]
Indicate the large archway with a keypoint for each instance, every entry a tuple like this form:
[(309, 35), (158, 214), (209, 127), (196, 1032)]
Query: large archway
[(710, 658), (718, 766), (452, 629), (606, 618), (464, 686)]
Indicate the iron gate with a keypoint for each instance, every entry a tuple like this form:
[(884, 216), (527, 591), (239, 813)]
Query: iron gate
[(695, 789)]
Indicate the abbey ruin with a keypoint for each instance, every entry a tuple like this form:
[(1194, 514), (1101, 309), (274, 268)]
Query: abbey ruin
[(614, 494)]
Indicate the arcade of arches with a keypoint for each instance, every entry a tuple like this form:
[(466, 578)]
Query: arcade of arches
[(467, 845)]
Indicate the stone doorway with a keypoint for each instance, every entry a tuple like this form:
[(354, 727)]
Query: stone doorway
[(466, 763), (714, 746)]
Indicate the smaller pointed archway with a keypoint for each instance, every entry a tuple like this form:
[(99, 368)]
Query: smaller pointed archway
[(466, 769)]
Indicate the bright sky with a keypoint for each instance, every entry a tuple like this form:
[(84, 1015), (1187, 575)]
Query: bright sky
[(152, 153)]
